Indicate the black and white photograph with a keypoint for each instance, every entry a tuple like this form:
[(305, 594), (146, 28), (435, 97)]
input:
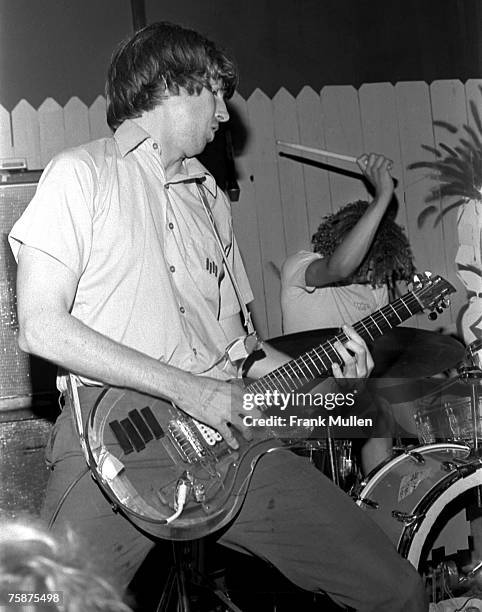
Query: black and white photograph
[(241, 306)]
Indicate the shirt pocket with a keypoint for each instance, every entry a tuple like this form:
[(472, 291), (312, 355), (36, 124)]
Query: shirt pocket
[(206, 265)]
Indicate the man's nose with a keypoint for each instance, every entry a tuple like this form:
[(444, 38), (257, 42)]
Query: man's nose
[(222, 114)]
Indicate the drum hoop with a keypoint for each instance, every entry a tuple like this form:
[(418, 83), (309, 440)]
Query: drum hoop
[(375, 475), (413, 537)]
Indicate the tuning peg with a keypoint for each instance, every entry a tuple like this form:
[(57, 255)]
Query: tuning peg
[(428, 274), (440, 309), (432, 316)]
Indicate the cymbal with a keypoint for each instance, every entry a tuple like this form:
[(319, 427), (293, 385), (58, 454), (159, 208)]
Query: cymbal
[(402, 352)]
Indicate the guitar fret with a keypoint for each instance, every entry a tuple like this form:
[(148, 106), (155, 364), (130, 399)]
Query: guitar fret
[(254, 385), (395, 311), (327, 354), (273, 386), (282, 381), (300, 358), (403, 302), (335, 351), (294, 372), (367, 330), (375, 323), (388, 322), (416, 297), (318, 356), (262, 385), (313, 362)]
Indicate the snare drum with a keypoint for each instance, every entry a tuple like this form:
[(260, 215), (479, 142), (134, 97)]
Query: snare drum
[(407, 494)]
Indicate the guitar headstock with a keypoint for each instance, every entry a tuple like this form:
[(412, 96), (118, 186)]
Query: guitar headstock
[(432, 292)]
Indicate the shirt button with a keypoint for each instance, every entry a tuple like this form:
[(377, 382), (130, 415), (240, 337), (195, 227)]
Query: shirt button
[(172, 268), (171, 226), (155, 146), (182, 310)]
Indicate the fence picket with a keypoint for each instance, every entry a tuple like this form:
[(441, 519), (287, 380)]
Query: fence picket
[(317, 184), (448, 104), (6, 147), (76, 121), (268, 203), (245, 220), (293, 199), (51, 125), (343, 134), (415, 120), (26, 134), (381, 134), (97, 119)]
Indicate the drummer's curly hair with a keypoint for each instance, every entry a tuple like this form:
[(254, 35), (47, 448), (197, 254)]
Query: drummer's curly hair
[(389, 258)]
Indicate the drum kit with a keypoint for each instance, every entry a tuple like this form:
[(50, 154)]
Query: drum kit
[(427, 497)]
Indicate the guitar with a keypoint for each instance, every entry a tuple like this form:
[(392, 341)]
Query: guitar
[(174, 477)]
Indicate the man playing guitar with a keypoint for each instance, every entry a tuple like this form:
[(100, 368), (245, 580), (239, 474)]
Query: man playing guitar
[(121, 282)]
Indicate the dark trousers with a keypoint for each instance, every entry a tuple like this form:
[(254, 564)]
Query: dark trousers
[(293, 517)]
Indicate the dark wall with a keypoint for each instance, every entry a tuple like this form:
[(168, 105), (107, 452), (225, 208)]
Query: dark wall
[(293, 43), (61, 48), (58, 48)]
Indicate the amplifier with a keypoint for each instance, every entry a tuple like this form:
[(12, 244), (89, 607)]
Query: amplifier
[(23, 472), (24, 380)]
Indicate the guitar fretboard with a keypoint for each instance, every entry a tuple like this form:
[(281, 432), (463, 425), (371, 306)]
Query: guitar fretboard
[(318, 361)]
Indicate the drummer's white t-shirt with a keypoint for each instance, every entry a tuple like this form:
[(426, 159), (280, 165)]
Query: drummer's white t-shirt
[(318, 307)]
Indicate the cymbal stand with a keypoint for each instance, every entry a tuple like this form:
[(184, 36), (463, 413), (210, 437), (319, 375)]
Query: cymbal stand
[(332, 456)]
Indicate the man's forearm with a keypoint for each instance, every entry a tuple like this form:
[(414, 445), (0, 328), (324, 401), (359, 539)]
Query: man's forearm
[(350, 253), (67, 342)]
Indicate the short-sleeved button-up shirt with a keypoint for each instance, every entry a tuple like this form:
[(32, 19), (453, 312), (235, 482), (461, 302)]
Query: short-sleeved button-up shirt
[(151, 275)]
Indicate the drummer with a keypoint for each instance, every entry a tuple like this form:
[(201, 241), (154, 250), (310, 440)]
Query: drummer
[(359, 255)]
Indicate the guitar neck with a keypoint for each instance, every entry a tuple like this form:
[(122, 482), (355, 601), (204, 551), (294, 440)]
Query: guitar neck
[(318, 361)]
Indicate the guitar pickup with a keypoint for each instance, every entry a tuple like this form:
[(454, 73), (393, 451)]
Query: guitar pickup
[(153, 423), (121, 437), (141, 426), (133, 435)]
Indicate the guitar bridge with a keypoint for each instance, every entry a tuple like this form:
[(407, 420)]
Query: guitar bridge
[(185, 440)]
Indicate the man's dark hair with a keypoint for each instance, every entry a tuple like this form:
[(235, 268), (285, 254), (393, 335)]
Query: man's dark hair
[(156, 62)]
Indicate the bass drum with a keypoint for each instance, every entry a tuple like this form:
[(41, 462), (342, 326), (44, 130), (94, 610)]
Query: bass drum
[(410, 496)]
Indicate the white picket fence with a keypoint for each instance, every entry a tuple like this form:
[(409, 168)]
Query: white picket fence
[(282, 199)]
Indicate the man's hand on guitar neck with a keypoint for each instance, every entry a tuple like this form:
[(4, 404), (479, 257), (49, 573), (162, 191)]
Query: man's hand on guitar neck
[(358, 362)]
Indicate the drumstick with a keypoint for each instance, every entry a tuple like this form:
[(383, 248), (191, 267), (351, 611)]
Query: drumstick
[(321, 152)]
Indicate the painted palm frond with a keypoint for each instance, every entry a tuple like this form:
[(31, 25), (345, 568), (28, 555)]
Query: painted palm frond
[(457, 169)]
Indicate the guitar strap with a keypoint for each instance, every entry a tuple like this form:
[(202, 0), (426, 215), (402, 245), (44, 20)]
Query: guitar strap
[(73, 397), (243, 346)]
